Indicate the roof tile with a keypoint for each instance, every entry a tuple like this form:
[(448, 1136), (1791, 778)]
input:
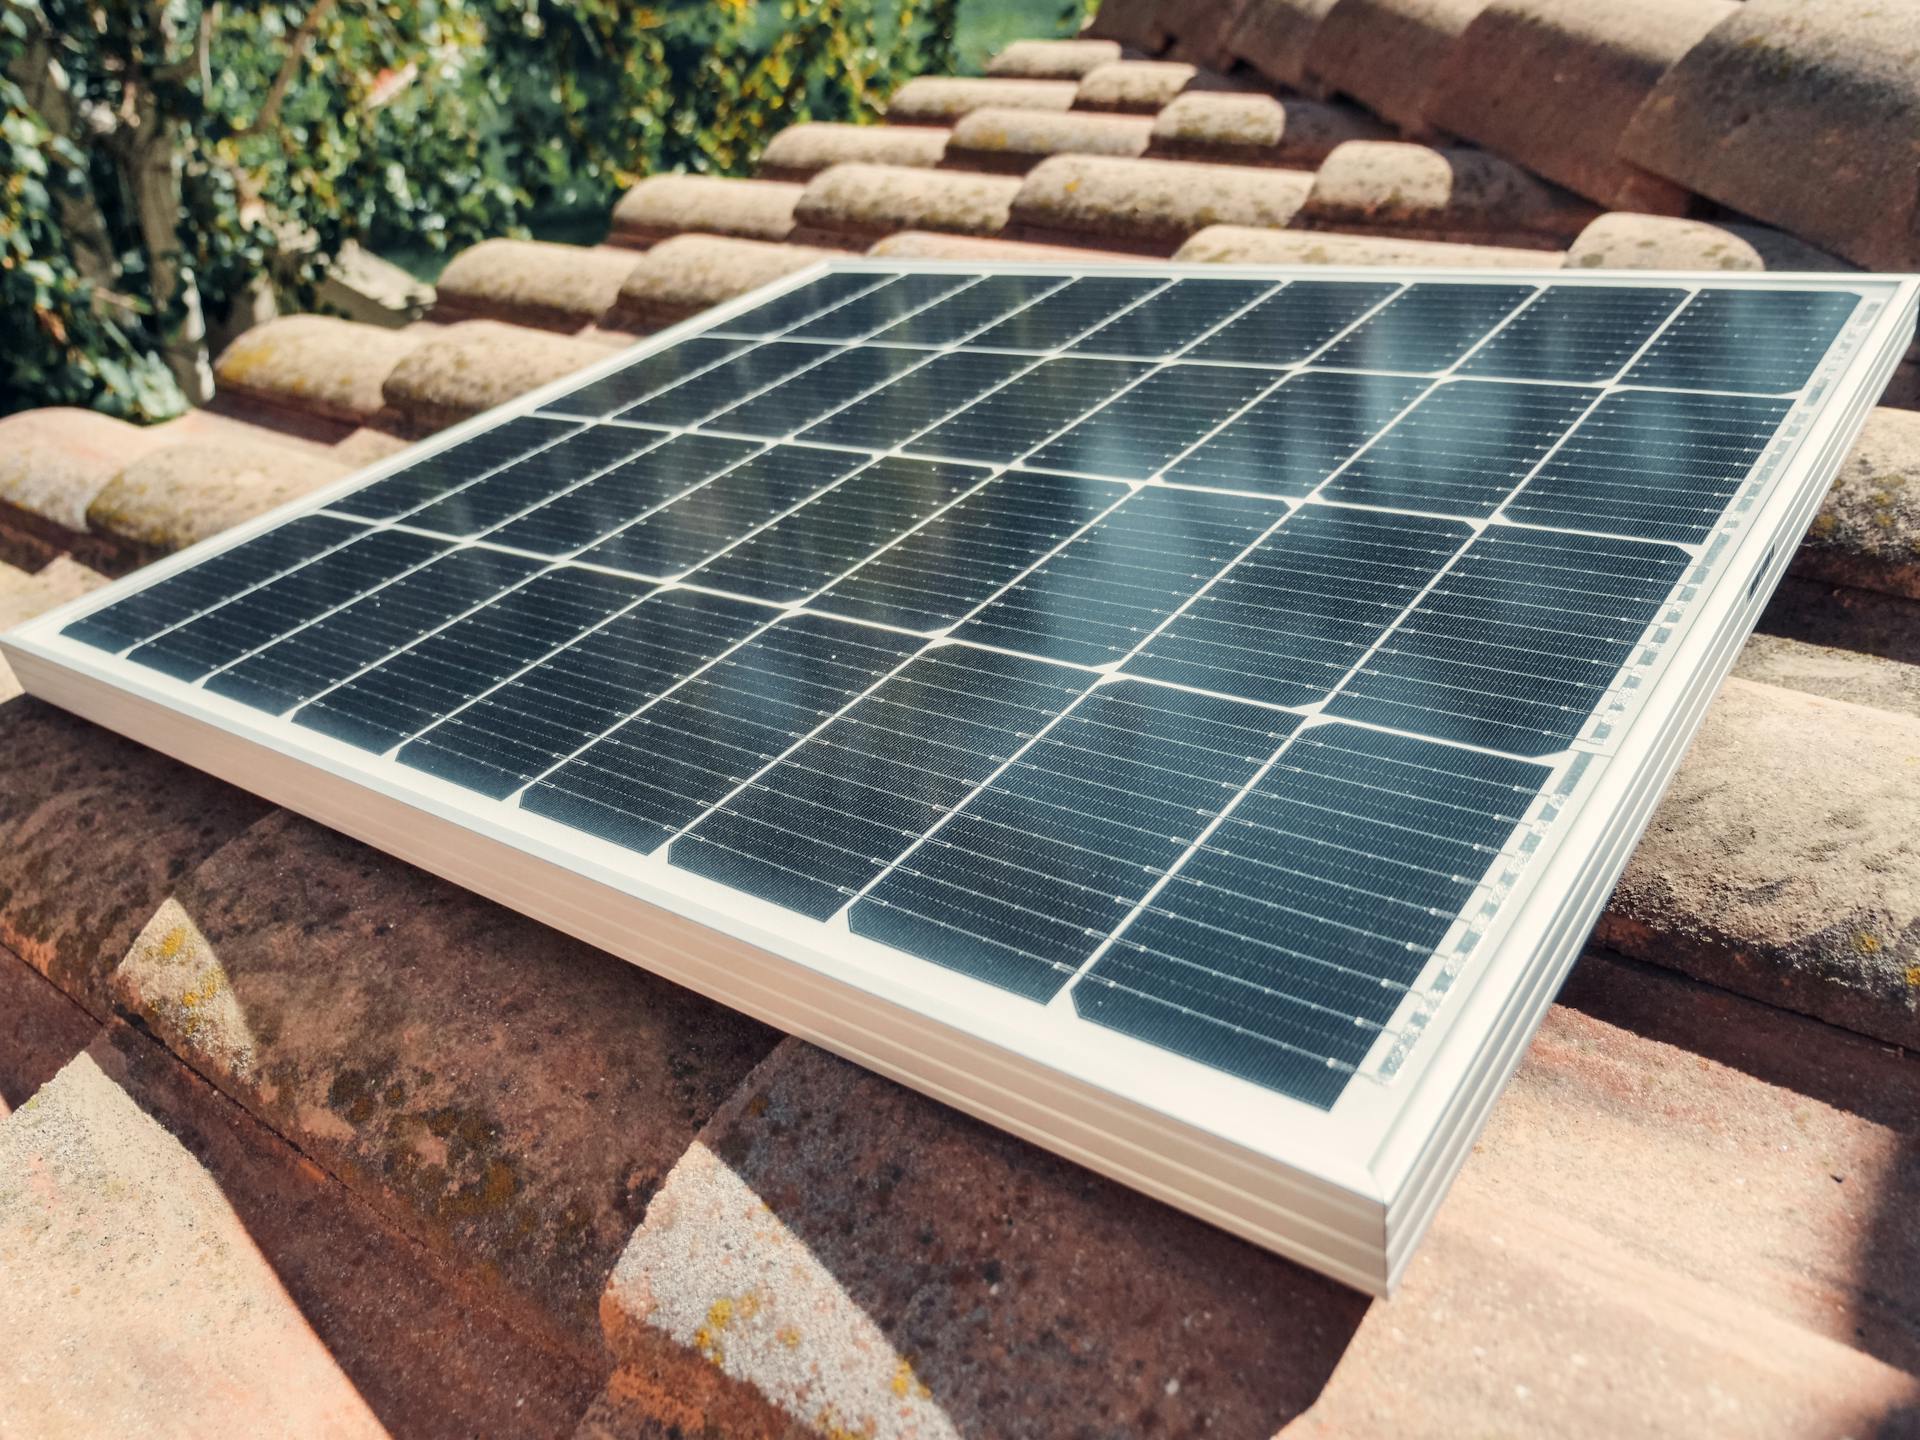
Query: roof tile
[(1770, 868), (1258, 129), (1551, 84), (367, 446), (1275, 38), (1016, 140), (1242, 245), (532, 282), (1052, 59), (1387, 54), (942, 99), (850, 204), (1439, 194), (680, 277), (1138, 24), (664, 205), (1867, 533), (1141, 87), (1800, 113), (23, 595), (928, 245), (1622, 240), (181, 494), (1200, 29), (315, 364), (1150, 205), (474, 366), (802, 151), (54, 461)]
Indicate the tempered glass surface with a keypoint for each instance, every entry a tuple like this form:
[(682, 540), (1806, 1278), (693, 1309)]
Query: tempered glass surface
[(1194, 647)]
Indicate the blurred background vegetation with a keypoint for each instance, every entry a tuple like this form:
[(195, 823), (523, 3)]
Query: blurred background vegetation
[(169, 166)]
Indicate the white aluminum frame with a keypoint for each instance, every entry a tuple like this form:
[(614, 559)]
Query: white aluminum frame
[(1347, 1191)]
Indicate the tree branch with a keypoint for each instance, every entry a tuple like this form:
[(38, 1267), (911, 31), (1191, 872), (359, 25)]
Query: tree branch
[(289, 67)]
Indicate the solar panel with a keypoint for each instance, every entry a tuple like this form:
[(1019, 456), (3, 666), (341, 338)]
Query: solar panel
[(1190, 717)]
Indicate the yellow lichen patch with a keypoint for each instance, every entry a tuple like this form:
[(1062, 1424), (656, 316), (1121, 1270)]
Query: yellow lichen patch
[(1866, 942), (171, 943), (906, 1383), (1913, 977), (789, 1336), (830, 1424)]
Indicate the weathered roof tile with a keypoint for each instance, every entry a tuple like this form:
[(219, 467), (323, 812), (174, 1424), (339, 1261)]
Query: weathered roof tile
[(1801, 113), (532, 282), (1150, 205), (181, 494), (1258, 129), (1622, 240), (1551, 84), (682, 276), (1275, 37), (1387, 54), (942, 99), (474, 366), (315, 364), (1242, 245), (1867, 533), (1139, 24), (1200, 29), (929, 245), (850, 204), (664, 205), (1439, 194), (1017, 140), (802, 151), (24, 595), (54, 461), (1141, 87), (1052, 59)]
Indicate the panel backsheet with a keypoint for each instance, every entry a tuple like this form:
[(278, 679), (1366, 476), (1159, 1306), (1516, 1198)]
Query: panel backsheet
[(1193, 652)]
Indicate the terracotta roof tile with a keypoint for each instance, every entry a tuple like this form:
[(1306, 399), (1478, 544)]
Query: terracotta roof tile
[(1439, 194), (682, 276), (1137, 24), (1867, 533), (1141, 87), (24, 595), (1258, 129), (1551, 84), (1150, 205), (1878, 682), (1052, 59), (1199, 31), (315, 364), (366, 446), (1622, 240), (1828, 83), (181, 494), (802, 151), (54, 461), (854, 204), (1275, 38), (942, 99), (1016, 140), (532, 282), (1388, 54), (928, 245), (474, 366), (1244, 245), (675, 204)]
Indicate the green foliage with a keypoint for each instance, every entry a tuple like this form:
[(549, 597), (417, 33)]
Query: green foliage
[(161, 158)]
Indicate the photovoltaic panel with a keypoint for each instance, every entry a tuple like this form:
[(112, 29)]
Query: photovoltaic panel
[(1185, 715)]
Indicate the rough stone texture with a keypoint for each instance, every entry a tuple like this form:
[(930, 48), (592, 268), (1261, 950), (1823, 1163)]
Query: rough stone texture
[(1786, 870), (1017, 140), (1840, 617), (1138, 24), (687, 274), (1052, 59), (1387, 54), (943, 99), (1150, 205), (367, 446), (1622, 240), (1872, 680), (25, 594), (474, 366), (1802, 113), (94, 833), (853, 203), (1275, 36), (665, 205), (183, 494), (1240, 245), (1551, 84), (1687, 1217), (1867, 533), (188, 1274), (1139, 87), (1258, 129), (802, 151), (926, 245), (40, 1031), (531, 282), (510, 1097), (54, 461), (1439, 194), (314, 363)]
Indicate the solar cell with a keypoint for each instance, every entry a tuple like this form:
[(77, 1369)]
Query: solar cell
[(1162, 686)]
